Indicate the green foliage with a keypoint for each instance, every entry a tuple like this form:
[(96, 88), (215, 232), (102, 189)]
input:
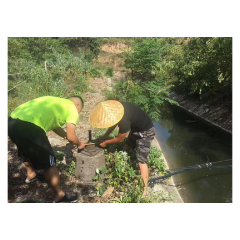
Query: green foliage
[(101, 189), (146, 86), (120, 170), (94, 72), (99, 174), (64, 74), (109, 72), (91, 46), (71, 168), (201, 66), (133, 195), (155, 162), (195, 66), (35, 48), (144, 59), (149, 96), (59, 155)]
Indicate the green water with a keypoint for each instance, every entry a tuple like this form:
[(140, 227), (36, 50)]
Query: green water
[(186, 141)]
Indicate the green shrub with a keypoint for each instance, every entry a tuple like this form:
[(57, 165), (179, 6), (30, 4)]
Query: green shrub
[(200, 66), (91, 46), (120, 170), (146, 85), (48, 66), (155, 162), (149, 96), (95, 72), (109, 72)]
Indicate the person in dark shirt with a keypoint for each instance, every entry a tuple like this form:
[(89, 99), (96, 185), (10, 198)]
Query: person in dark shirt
[(128, 117)]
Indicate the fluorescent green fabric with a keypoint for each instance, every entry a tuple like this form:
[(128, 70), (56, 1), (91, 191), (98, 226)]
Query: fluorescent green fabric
[(47, 112)]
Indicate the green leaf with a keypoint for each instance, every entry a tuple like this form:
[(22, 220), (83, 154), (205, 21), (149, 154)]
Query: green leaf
[(95, 178), (101, 170), (102, 189)]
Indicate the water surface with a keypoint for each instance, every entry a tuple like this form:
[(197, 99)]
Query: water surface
[(186, 141)]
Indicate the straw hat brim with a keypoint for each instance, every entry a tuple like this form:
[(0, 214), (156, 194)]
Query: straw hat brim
[(106, 114)]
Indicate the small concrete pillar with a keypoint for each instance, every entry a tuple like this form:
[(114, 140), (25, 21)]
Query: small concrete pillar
[(87, 161)]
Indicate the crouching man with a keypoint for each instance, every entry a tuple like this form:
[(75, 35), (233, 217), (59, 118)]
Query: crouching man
[(127, 117), (27, 127)]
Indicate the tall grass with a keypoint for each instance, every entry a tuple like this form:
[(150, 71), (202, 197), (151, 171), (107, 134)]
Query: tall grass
[(62, 76)]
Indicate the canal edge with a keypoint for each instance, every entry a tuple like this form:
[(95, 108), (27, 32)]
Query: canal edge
[(172, 190)]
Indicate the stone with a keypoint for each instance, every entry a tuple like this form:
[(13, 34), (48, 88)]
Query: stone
[(108, 192)]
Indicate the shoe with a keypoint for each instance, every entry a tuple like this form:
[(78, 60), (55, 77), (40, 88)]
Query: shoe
[(39, 176), (32, 180), (67, 199)]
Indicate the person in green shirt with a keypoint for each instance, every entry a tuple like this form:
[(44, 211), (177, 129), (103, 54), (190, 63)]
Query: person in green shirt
[(27, 127)]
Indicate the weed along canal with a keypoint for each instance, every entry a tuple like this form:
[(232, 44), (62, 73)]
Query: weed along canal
[(189, 141)]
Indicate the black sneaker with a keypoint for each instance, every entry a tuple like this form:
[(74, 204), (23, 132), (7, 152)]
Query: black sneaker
[(39, 176), (67, 199)]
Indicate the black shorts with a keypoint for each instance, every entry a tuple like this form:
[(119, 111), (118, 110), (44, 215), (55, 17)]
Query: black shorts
[(142, 142), (32, 143)]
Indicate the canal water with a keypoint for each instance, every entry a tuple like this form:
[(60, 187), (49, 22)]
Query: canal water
[(186, 141)]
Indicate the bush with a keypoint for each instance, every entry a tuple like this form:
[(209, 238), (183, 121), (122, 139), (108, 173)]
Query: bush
[(148, 96), (155, 163), (122, 170), (95, 72), (109, 72), (65, 75), (35, 48), (91, 46), (201, 66), (144, 58), (145, 86)]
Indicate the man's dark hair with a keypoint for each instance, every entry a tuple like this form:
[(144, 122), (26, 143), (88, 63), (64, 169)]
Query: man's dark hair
[(80, 99)]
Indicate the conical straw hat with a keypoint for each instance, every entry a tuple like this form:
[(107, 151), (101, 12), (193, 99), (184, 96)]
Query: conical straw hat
[(106, 114)]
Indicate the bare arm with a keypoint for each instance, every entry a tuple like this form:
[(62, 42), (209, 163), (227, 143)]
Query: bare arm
[(72, 137), (118, 139), (60, 132)]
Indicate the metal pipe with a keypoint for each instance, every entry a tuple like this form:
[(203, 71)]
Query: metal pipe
[(89, 135)]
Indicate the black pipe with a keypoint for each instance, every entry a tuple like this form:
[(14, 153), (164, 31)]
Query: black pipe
[(187, 169), (90, 135)]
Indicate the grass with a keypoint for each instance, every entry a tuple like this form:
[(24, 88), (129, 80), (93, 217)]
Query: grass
[(64, 77), (111, 56)]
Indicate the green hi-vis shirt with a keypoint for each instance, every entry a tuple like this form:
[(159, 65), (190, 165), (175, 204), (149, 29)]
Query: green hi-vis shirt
[(47, 112)]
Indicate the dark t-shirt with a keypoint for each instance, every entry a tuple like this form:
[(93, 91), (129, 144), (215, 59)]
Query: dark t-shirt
[(134, 118)]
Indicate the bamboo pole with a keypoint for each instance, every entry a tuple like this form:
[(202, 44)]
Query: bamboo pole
[(14, 74), (17, 85)]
